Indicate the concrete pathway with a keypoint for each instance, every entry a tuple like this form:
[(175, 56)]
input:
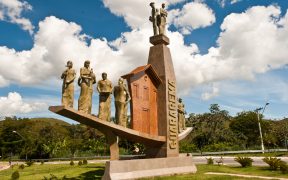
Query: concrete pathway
[(246, 176)]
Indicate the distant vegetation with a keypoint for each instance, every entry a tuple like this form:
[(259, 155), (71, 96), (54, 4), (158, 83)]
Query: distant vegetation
[(216, 130), (50, 138)]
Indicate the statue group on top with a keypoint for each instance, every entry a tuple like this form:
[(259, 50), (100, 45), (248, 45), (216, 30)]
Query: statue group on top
[(158, 19), (105, 88)]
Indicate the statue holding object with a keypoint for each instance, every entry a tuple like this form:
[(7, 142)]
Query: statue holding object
[(104, 87), (122, 97), (68, 77), (86, 80)]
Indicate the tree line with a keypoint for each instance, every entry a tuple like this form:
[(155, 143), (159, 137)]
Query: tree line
[(215, 130)]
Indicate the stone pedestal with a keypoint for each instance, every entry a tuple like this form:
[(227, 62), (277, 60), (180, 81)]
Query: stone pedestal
[(143, 168), (161, 61)]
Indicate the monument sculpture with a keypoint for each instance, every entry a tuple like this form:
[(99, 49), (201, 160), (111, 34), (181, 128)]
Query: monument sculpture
[(68, 77), (92, 81), (181, 116), (163, 17), (153, 18), (154, 113), (85, 81), (158, 19), (122, 98), (104, 87)]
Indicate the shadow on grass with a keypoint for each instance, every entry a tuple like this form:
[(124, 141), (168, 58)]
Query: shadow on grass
[(94, 174)]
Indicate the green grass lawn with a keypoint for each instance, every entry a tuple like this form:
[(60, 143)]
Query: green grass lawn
[(95, 171), (35, 172)]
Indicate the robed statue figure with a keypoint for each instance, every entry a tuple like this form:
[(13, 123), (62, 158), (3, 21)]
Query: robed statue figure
[(68, 77)]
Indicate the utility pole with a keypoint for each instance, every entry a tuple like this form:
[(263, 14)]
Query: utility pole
[(259, 125)]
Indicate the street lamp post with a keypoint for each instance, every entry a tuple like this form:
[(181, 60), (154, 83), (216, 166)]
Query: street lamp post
[(259, 125), (22, 139)]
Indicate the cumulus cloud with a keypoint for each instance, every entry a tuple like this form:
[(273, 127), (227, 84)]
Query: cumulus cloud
[(11, 11), (13, 105), (209, 95), (135, 12), (251, 42), (193, 15), (222, 3)]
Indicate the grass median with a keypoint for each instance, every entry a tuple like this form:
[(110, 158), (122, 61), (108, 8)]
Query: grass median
[(96, 171)]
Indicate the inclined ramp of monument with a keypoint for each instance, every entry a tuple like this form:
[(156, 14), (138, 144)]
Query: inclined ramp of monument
[(103, 126)]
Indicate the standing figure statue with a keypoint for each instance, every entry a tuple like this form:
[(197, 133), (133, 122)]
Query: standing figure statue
[(181, 116), (161, 20), (93, 81), (85, 81), (153, 18), (122, 97), (104, 87), (68, 77)]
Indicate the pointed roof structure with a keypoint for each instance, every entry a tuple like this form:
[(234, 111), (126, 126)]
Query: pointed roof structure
[(147, 69)]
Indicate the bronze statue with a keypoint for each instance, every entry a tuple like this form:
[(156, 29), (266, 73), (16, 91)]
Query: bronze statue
[(181, 116), (104, 87), (121, 97), (161, 23), (153, 18), (68, 77), (86, 80)]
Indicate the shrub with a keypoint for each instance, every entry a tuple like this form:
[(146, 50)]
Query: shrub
[(21, 166), (72, 163), (15, 175), (273, 162), (244, 161), (29, 163), (80, 163), (52, 177), (85, 162), (283, 167), (210, 161)]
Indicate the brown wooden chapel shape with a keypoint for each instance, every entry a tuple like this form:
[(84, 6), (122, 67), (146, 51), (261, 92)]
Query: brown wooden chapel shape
[(143, 83)]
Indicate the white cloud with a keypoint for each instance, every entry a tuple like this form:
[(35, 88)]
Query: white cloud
[(235, 1), (251, 42), (222, 3), (135, 12), (13, 105), (209, 95), (193, 15), (11, 11)]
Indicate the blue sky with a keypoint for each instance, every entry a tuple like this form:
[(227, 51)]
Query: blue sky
[(233, 53)]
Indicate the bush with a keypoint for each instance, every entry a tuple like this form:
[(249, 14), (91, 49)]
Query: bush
[(15, 175), (273, 162), (21, 166), (244, 161), (85, 162), (283, 167), (29, 163), (210, 161), (80, 163), (72, 163)]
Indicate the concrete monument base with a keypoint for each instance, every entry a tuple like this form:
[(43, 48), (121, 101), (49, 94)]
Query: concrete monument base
[(142, 168)]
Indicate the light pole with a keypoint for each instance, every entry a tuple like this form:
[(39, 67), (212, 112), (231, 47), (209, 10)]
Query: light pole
[(22, 139), (259, 125)]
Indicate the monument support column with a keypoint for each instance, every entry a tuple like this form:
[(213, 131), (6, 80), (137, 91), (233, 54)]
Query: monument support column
[(161, 61), (113, 145)]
